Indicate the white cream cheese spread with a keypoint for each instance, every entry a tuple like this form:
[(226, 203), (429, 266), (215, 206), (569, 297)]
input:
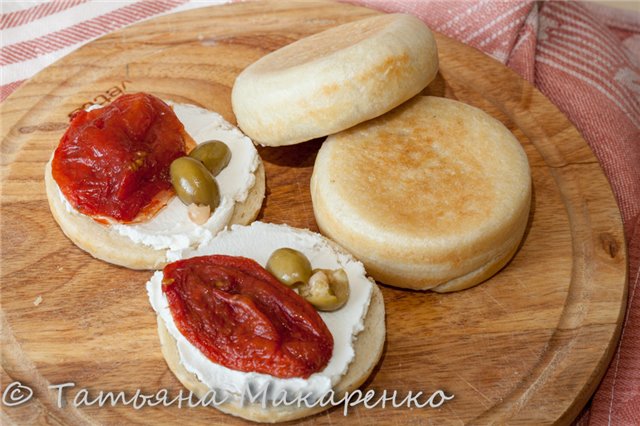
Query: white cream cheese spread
[(171, 228), (257, 242)]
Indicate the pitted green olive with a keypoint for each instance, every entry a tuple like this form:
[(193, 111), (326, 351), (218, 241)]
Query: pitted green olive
[(215, 155), (327, 290), (289, 266), (194, 184)]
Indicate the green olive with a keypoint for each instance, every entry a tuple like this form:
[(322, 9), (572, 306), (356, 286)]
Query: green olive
[(327, 290), (194, 184), (289, 266), (215, 155)]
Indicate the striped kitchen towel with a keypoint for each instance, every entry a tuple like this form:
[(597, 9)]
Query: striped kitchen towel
[(584, 57)]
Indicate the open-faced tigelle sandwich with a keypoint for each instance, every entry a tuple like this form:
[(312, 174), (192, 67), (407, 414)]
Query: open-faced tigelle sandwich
[(139, 180), (268, 308)]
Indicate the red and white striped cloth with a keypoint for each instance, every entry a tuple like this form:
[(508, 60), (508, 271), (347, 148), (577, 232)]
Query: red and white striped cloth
[(584, 57)]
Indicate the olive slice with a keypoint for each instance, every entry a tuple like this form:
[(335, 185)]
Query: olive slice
[(194, 184), (289, 266), (327, 290), (215, 155)]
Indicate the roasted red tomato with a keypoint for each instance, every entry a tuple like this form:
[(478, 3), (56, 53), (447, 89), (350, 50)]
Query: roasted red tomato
[(238, 315), (113, 162)]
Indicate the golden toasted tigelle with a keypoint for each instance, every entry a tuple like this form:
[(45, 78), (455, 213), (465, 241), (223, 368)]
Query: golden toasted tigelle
[(432, 195)]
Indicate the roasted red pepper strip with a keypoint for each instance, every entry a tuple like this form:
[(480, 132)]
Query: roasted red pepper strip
[(238, 315), (113, 162)]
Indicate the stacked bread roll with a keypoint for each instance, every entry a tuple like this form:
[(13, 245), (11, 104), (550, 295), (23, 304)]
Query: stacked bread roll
[(427, 192)]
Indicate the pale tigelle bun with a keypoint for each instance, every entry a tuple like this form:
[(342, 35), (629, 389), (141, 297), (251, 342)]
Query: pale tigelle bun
[(433, 195), (334, 80), (106, 244)]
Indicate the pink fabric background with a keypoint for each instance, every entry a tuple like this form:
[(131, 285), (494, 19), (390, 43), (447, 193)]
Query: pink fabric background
[(585, 58)]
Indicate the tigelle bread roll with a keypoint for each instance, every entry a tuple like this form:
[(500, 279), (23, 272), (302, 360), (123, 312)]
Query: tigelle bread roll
[(433, 195), (334, 80)]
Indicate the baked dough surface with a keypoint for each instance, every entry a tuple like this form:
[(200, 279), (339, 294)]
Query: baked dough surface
[(335, 79), (432, 195)]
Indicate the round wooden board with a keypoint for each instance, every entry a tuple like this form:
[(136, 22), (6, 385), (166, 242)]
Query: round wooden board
[(528, 346)]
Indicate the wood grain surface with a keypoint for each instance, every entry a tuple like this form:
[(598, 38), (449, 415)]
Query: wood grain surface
[(528, 346)]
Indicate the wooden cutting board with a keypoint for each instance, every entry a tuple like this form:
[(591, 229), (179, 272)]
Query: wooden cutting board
[(528, 346)]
